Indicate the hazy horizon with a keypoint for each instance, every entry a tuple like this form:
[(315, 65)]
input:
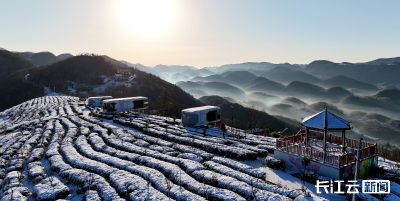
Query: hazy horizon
[(205, 33)]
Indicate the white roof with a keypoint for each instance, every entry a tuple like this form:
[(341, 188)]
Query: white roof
[(100, 97), (202, 108), (128, 98)]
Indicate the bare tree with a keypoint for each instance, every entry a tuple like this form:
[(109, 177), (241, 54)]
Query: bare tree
[(148, 185), (169, 186), (89, 180), (214, 179), (205, 187), (50, 178), (254, 189), (222, 128), (11, 189), (255, 117), (127, 186), (178, 176), (303, 174)]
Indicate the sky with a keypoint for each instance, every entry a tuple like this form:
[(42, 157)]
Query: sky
[(205, 33)]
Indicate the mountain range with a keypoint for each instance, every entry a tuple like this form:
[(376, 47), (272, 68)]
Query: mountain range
[(286, 92)]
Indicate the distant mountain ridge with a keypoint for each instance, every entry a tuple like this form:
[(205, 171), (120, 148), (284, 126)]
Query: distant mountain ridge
[(79, 75), (388, 99), (286, 75), (172, 68), (373, 74), (11, 62), (142, 68), (212, 88), (265, 85), (346, 82), (43, 58), (240, 114), (384, 61)]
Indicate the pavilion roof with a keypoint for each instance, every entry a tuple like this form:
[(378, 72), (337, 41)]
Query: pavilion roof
[(326, 120)]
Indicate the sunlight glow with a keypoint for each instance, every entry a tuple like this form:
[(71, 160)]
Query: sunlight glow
[(147, 16)]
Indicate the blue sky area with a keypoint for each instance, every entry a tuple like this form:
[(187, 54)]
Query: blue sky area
[(205, 33)]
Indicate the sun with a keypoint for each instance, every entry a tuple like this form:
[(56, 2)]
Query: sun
[(147, 16)]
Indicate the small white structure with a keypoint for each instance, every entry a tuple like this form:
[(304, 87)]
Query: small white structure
[(97, 101), (118, 77), (125, 104), (199, 116)]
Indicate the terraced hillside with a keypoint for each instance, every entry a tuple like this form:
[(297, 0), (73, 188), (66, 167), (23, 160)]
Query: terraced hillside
[(51, 148)]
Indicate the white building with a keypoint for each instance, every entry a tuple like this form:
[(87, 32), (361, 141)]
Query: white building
[(97, 101), (118, 77), (199, 116), (125, 104)]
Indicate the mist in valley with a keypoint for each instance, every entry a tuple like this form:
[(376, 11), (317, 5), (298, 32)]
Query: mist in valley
[(291, 96), (291, 92)]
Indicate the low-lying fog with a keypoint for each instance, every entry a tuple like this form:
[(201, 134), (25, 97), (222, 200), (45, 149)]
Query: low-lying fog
[(295, 106)]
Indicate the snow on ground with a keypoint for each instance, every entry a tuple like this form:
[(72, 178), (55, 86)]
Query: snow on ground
[(120, 154), (287, 180), (49, 92), (108, 83), (389, 165)]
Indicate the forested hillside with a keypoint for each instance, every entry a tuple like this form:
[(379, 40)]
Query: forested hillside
[(89, 75)]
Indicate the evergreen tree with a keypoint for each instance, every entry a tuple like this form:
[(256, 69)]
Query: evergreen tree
[(165, 101)]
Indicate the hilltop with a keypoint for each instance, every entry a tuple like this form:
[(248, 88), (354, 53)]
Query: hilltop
[(43, 58), (90, 75), (368, 73), (11, 63), (346, 82)]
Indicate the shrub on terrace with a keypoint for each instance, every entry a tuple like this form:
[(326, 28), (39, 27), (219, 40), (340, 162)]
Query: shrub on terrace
[(274, 163)]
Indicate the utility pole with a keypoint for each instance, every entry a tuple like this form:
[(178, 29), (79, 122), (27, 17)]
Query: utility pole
[(361, 136)]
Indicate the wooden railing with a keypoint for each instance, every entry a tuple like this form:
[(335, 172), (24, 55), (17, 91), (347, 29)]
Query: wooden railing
[(292, 145), (309, 152)]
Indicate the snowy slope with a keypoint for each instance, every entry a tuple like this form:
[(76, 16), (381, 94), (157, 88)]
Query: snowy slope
[(48, 151)]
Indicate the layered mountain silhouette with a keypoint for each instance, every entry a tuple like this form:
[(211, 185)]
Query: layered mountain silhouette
[(240, 114), (265, 85), (346, 82), (219, 88), (334, 94), (210, 78), (384, 61), (263, 96), (82, 74), (388, 99), (172, 68), (369, 73), (294, 101), (303, 89), (43, 58), (363, 92), (286, 75), (11, 62), (197, 72), (142, 68)]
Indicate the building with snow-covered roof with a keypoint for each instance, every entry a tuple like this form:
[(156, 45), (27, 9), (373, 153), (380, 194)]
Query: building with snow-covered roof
[(97, 101), (332, 155), (125, 104), (199, 116), (118, 77)]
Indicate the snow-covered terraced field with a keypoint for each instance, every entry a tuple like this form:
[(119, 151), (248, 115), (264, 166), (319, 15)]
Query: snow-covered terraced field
[(50, 149)]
